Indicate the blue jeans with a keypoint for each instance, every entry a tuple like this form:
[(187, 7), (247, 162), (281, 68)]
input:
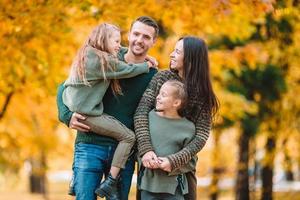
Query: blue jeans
[(91, 162)]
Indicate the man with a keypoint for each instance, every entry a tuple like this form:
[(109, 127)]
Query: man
[(93, 153)]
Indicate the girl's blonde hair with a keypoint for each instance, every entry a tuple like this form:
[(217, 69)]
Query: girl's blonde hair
[(97, 42), (179, 93)]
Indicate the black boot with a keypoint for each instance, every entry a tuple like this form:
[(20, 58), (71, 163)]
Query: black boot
[(108, 188), (71, 187)]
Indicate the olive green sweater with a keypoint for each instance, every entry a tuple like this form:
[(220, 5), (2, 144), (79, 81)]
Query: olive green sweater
[(122, 107), (168, 136), (195, 112), (87, 99)]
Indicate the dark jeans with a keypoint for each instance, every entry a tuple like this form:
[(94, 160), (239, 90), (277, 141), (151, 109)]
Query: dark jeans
[(91, 162), (192, 183), (145, 195)]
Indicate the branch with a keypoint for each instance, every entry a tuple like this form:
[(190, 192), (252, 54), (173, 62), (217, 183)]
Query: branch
[(5, 105)]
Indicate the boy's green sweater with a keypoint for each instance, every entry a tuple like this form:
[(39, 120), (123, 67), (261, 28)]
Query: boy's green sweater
[(122, 107)]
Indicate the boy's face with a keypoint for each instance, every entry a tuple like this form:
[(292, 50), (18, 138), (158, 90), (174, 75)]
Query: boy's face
[(166, 100), (141, 37)]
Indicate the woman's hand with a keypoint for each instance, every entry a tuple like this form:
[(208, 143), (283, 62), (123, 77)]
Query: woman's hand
[(150, 160), (164, 164), (76, 123)]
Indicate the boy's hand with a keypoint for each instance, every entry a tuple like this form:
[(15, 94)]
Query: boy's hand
[(164, 164), (76, 123)]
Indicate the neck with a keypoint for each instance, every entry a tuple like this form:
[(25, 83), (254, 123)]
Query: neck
[(173, 114), (180, 74), (131, 58)]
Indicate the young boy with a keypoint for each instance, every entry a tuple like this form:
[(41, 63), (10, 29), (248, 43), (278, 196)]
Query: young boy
[(169, 132)]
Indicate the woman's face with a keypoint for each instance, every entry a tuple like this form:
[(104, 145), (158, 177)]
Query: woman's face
[(176, 57)]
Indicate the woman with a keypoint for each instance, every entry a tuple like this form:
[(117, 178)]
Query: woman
[(189, 64)]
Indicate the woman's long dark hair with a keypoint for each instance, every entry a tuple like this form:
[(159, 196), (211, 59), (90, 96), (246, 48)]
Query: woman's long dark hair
[(196, 75)]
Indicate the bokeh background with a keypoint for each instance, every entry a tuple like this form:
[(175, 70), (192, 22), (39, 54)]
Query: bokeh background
[(254, 46)]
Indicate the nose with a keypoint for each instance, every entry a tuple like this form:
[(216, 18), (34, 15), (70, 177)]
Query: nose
[(140, 38), (172, 54), (158, 96)]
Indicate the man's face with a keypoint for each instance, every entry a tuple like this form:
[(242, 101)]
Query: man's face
[(141, 38)]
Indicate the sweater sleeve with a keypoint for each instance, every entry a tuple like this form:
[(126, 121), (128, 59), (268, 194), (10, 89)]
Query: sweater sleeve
[(120, 70), (64, 114), (190, 166), (203, 126), (141, 120)]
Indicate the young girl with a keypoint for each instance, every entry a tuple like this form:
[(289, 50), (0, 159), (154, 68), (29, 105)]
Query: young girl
[(94, 69), (170, 132)]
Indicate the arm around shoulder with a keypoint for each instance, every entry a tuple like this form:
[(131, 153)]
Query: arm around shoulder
[(64, 114), (203, 126)]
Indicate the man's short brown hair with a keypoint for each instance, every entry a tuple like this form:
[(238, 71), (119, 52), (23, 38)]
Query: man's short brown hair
[(148, 21)]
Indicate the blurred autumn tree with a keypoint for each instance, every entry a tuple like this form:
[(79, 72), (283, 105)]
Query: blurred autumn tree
[(39, 39)]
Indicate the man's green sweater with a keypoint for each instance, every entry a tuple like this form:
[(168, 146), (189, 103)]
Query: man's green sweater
[(122, 107)]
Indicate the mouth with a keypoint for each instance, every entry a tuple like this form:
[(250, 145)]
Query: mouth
[(138, 47)]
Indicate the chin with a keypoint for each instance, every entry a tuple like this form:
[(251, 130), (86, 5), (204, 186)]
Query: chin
[(138, 53), (172, 67)]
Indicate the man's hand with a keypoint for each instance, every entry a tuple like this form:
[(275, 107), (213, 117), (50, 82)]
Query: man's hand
[(76, 123), (150, 160), (164, 164)]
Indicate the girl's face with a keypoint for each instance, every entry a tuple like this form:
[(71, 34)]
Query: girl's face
[(165, 100), (114, 43), (176, 57)]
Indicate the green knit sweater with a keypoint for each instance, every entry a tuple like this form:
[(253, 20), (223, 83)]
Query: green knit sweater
[(168, 136), (122, 107), (196, 112), (87, 99)]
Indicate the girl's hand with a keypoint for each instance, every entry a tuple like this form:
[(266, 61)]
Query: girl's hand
[(76, 123), (152, 62), (164, 164), (150, 160)]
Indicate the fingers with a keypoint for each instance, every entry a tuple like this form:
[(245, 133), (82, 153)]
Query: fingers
[(76, 123), (79, 126), (151, 164), (79, 116)]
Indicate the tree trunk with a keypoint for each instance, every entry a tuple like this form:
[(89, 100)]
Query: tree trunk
[(217, 170), (37, 177), (254, 165), (242, 182), (267, 169), (289, 175)]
